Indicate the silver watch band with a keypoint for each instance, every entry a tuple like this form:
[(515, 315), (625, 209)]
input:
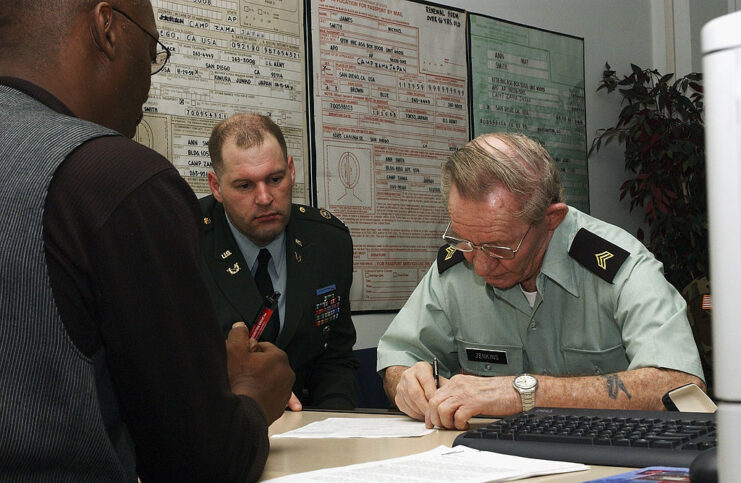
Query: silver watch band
[(528, 400)]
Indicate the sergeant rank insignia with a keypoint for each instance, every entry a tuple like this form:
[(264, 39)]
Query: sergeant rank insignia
[(448, 256), (597, 255)]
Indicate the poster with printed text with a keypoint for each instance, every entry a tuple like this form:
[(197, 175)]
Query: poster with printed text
[(391, 104), (531, 81), (229, 57)]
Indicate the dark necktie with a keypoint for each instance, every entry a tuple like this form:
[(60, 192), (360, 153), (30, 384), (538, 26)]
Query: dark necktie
[(265, 286)]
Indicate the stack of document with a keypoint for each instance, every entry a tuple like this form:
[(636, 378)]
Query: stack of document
[(442, 464)]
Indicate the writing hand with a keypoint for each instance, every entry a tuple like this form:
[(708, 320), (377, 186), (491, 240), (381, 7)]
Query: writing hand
[(416, 386)]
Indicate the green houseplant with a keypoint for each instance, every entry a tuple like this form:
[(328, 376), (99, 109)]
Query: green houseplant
[(662, 129)]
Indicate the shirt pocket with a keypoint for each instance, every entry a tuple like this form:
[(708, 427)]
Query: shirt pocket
[(489, 360), (586, 362)]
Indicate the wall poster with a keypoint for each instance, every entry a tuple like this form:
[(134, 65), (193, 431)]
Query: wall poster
[(391, 103), (229, 57), (532, 81)]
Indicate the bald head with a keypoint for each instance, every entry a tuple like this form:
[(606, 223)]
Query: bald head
[(513, 161)]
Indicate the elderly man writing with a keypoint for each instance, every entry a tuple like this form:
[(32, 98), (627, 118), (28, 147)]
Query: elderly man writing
[(532, 302)]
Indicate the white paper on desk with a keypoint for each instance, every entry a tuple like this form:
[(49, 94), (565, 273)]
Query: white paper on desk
[(359, 428), (442, 464)]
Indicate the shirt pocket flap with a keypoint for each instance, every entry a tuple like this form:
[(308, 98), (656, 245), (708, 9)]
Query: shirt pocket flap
[(489, 360), (582, 362)]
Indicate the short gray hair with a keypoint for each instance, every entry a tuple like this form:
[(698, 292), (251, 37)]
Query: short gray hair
[(522, 166)]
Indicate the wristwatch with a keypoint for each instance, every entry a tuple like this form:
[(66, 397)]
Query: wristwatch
[(526, 386)]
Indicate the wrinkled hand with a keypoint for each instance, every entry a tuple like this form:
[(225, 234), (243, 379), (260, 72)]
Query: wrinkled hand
[(259, 370), (415, 388), (464, 396)]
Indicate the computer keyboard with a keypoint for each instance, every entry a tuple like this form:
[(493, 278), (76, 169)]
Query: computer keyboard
[(598, 437)]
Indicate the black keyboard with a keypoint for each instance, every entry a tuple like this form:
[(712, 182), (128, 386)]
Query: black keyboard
[(598, 437)]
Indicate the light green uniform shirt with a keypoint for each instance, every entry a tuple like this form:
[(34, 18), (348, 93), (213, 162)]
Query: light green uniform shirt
[(580, 324)]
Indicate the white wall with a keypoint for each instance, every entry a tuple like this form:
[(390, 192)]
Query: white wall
[(620, 32)]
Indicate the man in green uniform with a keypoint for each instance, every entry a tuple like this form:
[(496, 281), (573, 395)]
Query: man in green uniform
[(552, 306), (257, 242)]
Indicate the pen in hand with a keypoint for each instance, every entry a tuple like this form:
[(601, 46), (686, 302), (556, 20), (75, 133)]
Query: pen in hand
[(436, 373)]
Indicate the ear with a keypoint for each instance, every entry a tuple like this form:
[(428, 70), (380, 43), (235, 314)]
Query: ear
[(101, 29), (555, 214), (213, 183), (292, 169)]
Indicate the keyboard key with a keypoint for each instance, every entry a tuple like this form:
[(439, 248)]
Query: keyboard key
[(555, 438)]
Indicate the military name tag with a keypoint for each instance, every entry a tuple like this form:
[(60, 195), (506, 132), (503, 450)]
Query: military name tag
[(484, 355)]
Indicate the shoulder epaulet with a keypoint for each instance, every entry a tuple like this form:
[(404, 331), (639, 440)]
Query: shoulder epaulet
[(598, 255), (448, 256), (309, 213)]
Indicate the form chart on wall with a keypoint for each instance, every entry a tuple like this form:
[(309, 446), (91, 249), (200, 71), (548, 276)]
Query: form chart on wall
[(229, 57), (532, 81), (391, 104)]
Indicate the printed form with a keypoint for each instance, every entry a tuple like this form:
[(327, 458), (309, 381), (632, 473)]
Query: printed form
[(390, 101), (229, 57), (442, 464)]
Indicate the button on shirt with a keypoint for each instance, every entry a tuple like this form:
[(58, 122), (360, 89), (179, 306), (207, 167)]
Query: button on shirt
[(277, 266)]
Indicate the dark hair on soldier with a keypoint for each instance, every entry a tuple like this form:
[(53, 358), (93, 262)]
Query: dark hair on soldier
[(247, 131)]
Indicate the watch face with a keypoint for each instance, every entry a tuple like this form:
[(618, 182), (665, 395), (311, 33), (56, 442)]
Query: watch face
[(525, 382)]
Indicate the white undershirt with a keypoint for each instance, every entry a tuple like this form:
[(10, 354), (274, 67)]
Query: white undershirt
[(530, 296)]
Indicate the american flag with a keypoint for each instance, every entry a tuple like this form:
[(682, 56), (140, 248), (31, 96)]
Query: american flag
[(707, 302)]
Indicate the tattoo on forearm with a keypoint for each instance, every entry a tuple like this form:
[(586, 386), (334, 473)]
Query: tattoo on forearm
[(614, 385)]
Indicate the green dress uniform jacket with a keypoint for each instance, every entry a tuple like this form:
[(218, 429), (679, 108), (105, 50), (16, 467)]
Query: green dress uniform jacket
[(317, 333), (602, 306)]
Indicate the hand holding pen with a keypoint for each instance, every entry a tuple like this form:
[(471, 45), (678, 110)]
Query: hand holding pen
[(269, 305), (259, 370)]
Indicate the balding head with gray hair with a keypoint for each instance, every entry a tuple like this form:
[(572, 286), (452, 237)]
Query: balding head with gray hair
[(516, 162)]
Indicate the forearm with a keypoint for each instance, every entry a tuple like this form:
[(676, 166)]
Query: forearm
[(635, 389), (333, 384)]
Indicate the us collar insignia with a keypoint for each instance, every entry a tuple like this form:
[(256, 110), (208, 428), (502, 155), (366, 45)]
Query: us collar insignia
[(234, 269), (226, 255)]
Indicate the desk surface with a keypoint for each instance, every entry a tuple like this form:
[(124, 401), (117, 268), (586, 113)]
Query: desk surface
[(292, 455)]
